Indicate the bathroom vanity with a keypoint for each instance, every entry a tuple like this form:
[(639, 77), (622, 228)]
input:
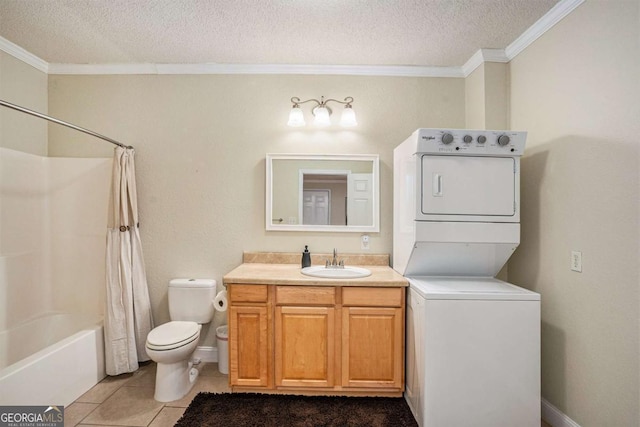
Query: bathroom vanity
[(291, 333)]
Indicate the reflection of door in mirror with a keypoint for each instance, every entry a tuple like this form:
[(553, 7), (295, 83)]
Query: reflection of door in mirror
[(360, 199), (316, 207), (324, 194)]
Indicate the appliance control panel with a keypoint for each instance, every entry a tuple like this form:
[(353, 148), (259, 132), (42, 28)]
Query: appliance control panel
[(498, 143)]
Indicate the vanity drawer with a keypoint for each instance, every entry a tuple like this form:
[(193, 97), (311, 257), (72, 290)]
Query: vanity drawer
[(372, 297), (307, 295), (247, 293)]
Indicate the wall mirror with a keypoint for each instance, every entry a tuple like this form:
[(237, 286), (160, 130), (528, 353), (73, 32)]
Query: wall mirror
[(323, 192)]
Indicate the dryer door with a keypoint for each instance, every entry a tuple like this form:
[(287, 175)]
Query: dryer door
[(462, 186)]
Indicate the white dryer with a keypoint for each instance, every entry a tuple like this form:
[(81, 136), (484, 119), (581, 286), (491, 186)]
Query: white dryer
[(473, 341)]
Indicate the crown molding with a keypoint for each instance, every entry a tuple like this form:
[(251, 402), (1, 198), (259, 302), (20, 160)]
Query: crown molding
[(345, 70), (24, 55), (555, 15), (482, 56), (90, 69), (541, 26)]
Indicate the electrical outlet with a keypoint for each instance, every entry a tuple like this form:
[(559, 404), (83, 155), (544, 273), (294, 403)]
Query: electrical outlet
[(364, 242), (576, 261)]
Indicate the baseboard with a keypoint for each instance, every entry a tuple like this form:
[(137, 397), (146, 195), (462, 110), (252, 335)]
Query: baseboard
[(206, 353), (555, 416)]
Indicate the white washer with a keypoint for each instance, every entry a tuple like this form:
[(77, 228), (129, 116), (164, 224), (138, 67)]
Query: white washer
[(473, 341), (473, 353)]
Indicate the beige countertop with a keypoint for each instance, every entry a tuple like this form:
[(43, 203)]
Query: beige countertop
[(289, 274)]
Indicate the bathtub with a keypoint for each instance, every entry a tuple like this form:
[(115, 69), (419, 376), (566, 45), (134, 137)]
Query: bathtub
[(51, 360)]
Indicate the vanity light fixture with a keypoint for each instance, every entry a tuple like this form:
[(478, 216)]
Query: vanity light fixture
[(322, 112)]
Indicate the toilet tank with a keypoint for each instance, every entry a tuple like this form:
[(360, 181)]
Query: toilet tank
[(192, 299)]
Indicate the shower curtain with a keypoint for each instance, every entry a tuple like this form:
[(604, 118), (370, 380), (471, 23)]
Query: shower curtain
[(128, 313)]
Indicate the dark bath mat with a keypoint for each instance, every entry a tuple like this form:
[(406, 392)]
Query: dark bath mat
[(266, 410)]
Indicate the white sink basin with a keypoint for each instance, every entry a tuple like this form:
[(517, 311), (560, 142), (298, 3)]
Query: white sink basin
[(336, 273)]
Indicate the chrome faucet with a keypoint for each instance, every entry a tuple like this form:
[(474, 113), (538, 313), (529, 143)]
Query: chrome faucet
[(333, 263)]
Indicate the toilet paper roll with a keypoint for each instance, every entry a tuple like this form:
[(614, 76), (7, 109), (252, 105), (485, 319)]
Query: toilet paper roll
[(220, 301)]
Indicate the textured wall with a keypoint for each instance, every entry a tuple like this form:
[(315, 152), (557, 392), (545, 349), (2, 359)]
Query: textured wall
[(576, 90), (487, 97), (201, 143), (474, 99), (23, 85)]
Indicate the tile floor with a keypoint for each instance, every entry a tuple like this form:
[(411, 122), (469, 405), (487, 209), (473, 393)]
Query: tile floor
[(127, 400)]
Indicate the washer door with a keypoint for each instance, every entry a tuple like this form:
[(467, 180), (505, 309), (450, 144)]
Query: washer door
[(468, 186)]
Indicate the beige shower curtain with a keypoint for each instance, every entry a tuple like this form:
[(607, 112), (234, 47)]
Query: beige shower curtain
[(128, 313)]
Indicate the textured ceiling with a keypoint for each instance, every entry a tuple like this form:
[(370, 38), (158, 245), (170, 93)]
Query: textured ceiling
[(314, 32)]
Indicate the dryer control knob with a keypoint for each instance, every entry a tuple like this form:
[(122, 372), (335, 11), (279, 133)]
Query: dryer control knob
[(482, 139), (503, 140), (467, 139), (447, 138)]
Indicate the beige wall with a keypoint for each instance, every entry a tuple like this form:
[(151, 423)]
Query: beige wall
[(25, 86), (201, 143), (496, 104), (487, 97), (474, 99), (576, 90)]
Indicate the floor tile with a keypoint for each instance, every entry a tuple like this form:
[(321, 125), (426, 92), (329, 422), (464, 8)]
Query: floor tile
[(209, 384), (128, 406), (143, 377), (105, 388), (75, 412), (168, 417)]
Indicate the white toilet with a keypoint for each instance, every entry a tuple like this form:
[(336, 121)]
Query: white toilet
[(171, 345)]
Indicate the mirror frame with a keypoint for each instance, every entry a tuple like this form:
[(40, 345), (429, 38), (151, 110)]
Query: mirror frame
[(373, 158)]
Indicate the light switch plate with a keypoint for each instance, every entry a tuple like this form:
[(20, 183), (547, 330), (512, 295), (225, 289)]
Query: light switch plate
[(576, 261)]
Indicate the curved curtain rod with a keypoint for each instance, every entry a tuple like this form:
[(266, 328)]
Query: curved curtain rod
[(60, 122)]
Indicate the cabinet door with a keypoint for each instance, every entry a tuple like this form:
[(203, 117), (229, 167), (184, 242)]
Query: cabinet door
[(304, 341), (372, 347), (248, 346)]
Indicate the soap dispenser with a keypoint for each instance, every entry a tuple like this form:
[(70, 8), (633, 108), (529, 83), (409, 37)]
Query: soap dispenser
[(306, 257)]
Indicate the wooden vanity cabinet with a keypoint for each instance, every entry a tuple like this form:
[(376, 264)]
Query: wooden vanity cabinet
[(373, 338), (249, 335), (317, 339), (305, 336)]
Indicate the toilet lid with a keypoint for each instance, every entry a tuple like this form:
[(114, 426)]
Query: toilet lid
[(173, 334)]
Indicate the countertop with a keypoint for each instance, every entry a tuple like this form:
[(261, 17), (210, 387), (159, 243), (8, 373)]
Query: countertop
[(263, 273)]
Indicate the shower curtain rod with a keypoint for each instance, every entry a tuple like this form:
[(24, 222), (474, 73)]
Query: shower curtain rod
[(60, 122)]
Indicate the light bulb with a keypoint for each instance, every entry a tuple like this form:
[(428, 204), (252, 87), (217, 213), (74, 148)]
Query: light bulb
[(296, 118), (348, 118), (322, 116)]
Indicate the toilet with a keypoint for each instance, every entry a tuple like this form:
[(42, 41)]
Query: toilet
[(172, 344)]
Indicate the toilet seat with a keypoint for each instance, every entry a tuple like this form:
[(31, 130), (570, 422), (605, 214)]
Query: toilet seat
[(172, 335)]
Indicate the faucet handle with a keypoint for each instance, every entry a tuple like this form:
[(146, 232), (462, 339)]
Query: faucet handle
[(327, 264), (341, 264)]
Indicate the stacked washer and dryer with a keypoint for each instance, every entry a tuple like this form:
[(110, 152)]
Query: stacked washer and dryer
[(473, 341)]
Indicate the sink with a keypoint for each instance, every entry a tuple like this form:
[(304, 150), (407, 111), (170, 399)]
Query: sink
[(336, 273)]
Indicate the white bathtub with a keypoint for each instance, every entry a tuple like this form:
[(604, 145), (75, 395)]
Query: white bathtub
[(51, 360)]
